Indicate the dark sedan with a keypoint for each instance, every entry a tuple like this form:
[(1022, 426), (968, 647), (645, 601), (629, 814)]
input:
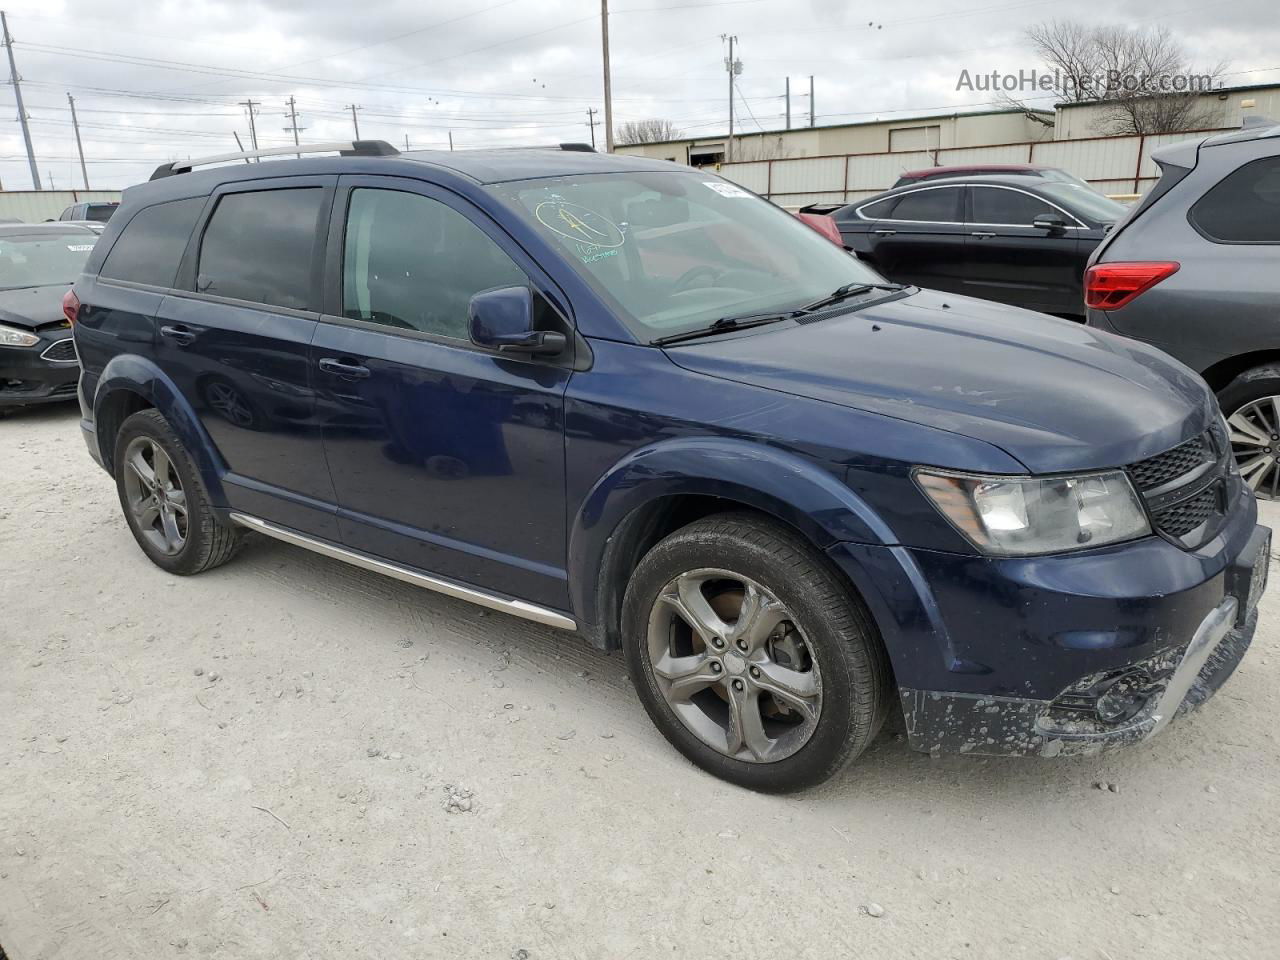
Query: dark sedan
[(38, 263), (1019, 240)]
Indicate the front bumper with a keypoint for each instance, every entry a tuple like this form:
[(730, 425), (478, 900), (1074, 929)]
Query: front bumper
[(30, 375), (1060, 655)]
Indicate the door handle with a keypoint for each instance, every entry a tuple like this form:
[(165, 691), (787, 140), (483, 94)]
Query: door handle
[(884, 233), (982, 233), (182, 336), (342, 368)]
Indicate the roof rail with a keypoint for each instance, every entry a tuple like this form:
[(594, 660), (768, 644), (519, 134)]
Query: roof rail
[(347, 148)]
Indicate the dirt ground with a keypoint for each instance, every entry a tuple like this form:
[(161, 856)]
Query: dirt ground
[(288, 758)]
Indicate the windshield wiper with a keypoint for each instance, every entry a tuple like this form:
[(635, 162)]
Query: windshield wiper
[(723, 325), (849, 290)]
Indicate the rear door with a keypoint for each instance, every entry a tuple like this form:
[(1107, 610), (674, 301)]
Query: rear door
[(920, 240), (1010, 261), (444, 456), (235, 339)]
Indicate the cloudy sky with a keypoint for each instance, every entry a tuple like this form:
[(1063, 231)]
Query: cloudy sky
[(160, 80)]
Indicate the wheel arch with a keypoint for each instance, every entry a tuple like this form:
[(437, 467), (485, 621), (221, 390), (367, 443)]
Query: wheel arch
[(661, 488), (130, 383), (1220, 374)]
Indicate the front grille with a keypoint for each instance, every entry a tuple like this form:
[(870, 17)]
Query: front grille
[(1183, 517), (1184, 487), (1163, 467), (64, 351)]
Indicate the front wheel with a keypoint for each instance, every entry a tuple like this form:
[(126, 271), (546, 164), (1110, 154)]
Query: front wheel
[(751, 655)]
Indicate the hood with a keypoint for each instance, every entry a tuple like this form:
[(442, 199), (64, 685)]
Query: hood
[(32, 307), (1053, 394)]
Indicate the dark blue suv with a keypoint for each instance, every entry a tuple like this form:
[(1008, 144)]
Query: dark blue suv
[(628, 398)]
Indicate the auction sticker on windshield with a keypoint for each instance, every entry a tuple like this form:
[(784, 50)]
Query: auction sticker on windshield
[(725, 189)]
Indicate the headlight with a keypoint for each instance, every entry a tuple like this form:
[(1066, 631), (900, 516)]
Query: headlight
[(1023, 516), (13, 337)]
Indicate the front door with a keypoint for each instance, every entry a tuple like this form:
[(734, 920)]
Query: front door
[(235, 336), (1013, 262), (444, 456)]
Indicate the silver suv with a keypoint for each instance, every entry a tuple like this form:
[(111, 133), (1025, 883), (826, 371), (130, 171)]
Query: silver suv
[(1195, 270)]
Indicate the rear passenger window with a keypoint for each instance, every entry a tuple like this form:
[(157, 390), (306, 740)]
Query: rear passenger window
[(414, 263), (993, 205), (258, 247), (152, 243), (1244, 207), (936, 205)]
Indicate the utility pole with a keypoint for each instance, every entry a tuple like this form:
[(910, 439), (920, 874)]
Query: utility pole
[(406, 143), (592, 122), (788, 103), (84, 171), (17, 95), (811, 100), (293, 123), (251, 105), (354, 122), (239, 145), (50, 173), (608, 85), (734, 68), (451, 141)]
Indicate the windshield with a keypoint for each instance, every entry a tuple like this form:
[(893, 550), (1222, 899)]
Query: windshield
[(676, 251), (38, 261), (1083, 199)]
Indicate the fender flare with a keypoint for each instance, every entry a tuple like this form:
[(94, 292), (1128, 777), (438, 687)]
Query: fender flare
[(777, 482), (136, 374)]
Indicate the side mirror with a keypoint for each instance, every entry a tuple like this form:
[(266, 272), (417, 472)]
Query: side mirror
[(1051, 222), (502, 320)]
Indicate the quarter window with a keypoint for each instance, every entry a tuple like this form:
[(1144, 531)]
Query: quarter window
[(152, 243), (993, 205), (414, 263), (874, 211), (259, 245), (935, 205), (1244, 207)]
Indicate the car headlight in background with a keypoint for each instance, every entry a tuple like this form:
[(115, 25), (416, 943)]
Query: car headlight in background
[(1025, 516), (13, 337)]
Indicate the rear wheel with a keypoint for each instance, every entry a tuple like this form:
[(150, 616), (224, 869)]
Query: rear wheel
[(1251, 403), (164, 500), (750, 654)]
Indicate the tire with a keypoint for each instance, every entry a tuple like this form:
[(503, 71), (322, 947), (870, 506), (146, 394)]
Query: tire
[(1236, 398), (206, 540), (839, 643)]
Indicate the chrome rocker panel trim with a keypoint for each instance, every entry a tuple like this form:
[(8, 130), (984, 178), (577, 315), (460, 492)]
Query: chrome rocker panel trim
[(517, 608)]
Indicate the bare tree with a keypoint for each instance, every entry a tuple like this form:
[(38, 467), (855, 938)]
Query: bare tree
[(1143, 76), (645, 131)]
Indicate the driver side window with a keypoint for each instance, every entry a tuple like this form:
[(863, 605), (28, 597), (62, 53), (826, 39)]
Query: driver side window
[(414, 263)]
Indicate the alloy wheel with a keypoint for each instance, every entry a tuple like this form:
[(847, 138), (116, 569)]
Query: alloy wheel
[(1255, 444), (734, 666), (155, 496)]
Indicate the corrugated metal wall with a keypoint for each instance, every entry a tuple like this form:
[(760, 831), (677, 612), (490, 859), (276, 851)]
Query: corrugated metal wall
[(35, 206), (1115, 165)]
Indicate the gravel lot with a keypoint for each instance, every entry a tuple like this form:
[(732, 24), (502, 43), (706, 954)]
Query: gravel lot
[(288, 757)]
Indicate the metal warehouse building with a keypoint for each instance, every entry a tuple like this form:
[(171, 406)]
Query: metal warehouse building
[(934, 132)]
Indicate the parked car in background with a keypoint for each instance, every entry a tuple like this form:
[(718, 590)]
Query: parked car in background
[(796, 496), (38, 263), (1195, 270), (99, 211), (1014, 239), (1054, 174)]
